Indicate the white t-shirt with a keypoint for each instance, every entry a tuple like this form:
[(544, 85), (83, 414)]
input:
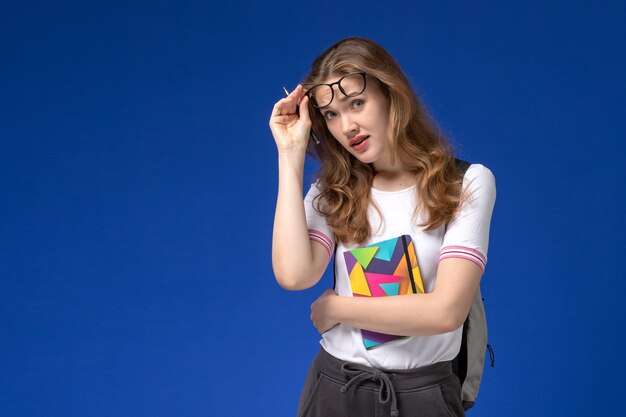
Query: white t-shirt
[(467, 237)]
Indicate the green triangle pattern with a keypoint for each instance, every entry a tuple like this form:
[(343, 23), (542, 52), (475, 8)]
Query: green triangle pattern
[(364, 255)]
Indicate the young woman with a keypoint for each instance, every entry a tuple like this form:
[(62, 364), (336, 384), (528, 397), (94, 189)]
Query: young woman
[(386, 175)]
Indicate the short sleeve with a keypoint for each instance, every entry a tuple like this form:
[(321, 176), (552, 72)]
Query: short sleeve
[(467, 234), (319, 231)]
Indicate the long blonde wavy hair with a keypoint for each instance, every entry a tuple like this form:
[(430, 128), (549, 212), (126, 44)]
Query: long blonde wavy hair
[(344, 181)]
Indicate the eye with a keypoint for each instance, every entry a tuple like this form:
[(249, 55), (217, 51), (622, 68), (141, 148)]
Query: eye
[(357, 103), (329, 115)]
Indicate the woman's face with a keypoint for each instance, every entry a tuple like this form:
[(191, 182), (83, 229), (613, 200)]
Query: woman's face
[(365, 116)]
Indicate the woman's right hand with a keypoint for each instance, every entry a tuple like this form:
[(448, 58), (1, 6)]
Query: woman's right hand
[(290, 130)]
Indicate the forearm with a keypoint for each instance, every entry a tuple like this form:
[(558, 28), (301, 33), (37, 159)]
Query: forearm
[(404, 315), (440, 311), (291, 247)]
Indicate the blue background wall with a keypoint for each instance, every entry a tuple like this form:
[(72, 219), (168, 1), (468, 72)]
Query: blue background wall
[(138, 179)]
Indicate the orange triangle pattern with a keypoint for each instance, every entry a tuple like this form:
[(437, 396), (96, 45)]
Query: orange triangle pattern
[(358, 282)]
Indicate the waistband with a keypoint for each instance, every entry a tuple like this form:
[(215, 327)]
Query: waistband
[(387, 381)]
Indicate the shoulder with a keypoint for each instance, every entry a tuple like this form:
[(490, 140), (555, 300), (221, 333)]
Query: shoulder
[(479, 171), (479, 176), (469, 228), (479, 187)]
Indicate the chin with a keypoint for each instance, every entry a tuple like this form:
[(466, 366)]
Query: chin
[(366, 159)]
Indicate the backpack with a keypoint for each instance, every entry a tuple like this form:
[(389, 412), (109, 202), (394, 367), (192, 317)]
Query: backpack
[(469, 363)]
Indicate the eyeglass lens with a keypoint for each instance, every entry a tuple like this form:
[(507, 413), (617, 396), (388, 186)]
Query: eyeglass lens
[(350, 85)]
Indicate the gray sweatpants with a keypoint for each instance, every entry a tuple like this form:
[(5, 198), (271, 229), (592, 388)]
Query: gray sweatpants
[(335, 388)]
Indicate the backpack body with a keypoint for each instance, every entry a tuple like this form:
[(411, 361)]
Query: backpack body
[(469, 363)]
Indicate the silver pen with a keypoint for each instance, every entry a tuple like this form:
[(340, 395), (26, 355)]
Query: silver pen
[(313, 135)]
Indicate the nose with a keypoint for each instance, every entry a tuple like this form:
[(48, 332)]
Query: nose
[(348, 125)]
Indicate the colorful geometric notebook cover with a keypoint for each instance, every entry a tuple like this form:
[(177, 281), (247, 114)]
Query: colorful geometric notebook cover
[(383, 269)]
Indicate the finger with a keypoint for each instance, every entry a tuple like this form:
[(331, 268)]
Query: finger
[(294, 97), (282, 119), (304, 110), (296, 94), (284, 107)]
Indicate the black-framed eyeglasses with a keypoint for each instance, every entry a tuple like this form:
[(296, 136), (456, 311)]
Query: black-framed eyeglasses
[(321, 95)]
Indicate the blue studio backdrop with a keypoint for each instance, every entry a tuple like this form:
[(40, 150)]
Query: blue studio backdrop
[(139, 179)]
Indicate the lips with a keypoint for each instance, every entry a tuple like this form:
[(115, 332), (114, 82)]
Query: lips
[(358, 139)]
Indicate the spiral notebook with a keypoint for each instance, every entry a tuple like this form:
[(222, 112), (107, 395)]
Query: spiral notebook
[(383, 269)]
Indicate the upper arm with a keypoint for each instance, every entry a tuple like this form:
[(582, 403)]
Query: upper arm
[(456, 286), (322, 245), (321, 259), (463, 254)]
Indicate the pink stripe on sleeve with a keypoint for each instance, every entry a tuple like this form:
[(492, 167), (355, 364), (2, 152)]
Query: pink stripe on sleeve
[(464, 253), (317, 236)]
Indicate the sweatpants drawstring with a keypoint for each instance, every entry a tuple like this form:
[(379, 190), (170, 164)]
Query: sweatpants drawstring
[(358, 373)]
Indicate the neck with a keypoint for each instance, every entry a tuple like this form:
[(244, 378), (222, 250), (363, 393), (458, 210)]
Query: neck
[(385, 169)]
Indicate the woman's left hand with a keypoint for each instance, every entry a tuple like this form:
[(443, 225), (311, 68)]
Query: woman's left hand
[(321, 312)]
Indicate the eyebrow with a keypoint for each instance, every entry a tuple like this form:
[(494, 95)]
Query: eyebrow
[(342, 99)]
